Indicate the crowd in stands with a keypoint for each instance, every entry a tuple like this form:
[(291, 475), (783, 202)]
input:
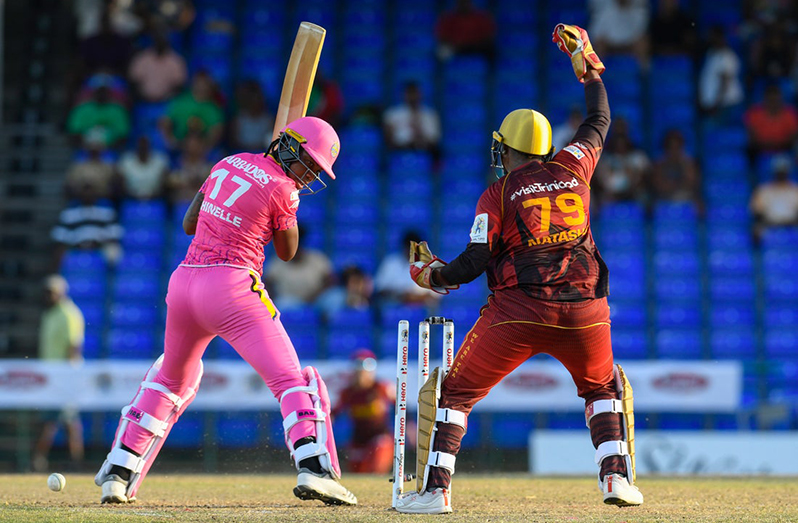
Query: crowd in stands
[(130, 56)]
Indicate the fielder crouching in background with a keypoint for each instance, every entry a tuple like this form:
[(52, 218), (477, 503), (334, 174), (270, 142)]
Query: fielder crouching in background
[(531, 234)]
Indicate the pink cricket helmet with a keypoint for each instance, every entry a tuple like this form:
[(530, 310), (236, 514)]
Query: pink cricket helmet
[(321, 141)]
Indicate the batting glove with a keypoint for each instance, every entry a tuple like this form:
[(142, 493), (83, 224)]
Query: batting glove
[(573, 41), (422, 262)]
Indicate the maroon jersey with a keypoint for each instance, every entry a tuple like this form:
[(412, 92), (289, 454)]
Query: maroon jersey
[(368, 408), (536, 221)]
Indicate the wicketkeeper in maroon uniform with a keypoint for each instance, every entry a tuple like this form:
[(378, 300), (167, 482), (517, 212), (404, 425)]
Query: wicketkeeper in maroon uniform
[(532, 236)]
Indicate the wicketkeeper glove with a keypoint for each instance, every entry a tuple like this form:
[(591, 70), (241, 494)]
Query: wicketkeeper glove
[(422, 262), (573, 41)]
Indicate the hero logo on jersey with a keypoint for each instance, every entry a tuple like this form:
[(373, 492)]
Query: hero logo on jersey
[(479, 231), (576, 151)]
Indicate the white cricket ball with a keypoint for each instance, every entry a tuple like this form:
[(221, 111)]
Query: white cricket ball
[(56, 482)]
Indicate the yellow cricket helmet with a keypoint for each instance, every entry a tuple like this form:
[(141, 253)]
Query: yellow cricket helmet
[(524, 130)]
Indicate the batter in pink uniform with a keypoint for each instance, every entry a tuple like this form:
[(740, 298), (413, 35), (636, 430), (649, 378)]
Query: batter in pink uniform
[(248, 201)]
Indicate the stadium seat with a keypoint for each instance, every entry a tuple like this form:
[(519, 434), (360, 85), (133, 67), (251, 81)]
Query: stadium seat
[(238, 429), (132, 343), (77, 261), (133, 287), (781, 342), (133, 212), (629, 343), (86, 288), (681, 421), (189, 432), (344, 340), (128, 315), (733, 342), (678, 316), (682, 263), (144, 237), (732, 288), (628, 314), (360, 318), (675, 236), (677, 288), (780, 315), (92, 342), (679, 343), (511, 430)]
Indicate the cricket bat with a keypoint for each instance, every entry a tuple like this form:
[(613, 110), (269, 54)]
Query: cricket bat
[(299, 75)]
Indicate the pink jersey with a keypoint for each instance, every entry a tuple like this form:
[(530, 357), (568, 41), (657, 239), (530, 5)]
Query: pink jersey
[(247, 197)]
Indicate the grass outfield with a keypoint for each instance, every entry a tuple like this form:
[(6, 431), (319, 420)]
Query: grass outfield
[(477, 498)]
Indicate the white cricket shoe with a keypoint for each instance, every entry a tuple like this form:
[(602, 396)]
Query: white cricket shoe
[(618, 491), (324, 487), (115, 490), (438, 501)]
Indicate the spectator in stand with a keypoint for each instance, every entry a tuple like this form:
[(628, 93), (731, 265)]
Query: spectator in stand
[(676, 176), (88, 224), (251, 128), (300, 281), (772, 124), (775, 203), (773, 53), (106, 49), (92, 172), (412, 125), (326, 100), (194, 111), (619, 26), (368, 402), (354, 292), (117, 87), (622, 169), (392, 284), (143, 171), (672, 31), (720, 89), (192, 170), (158, 72), (465, 30), (562, 134), (99, 120), (60, 339)]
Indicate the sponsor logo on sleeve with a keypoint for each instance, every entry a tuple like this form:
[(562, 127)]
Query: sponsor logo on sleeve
[(576, 151), (479, 231)]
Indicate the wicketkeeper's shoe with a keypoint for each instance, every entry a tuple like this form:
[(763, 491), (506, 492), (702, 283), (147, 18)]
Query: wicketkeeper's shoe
[(115, 490), (618, 491), (311, 485), (437, 501)]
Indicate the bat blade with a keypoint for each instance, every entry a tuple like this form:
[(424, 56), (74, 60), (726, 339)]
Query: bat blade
[(299, 75)]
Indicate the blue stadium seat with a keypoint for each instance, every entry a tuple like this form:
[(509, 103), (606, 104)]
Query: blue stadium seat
[(343, 340), (781, 288), (363, 257), (188, 432), (511, 430), (781, 342), (673, 213), (93, 313), (620, 239), (729, 215), (681, 421), (238, 429), (731, 263), (92, 342), (726, 165), (677, 288), (135, 288), (628, 314), (684, 263), (675, 236), (307, 342), (128, 315), (734, 342), (780, 238), (143, 262), (220, 349), (629, 343), (83, 261), (620, 214), (728, 315), (678, 316), (362, 318), (144, 237), (732, 288), (780, 315), (392, 314), (87, 288), (473, 438), (132, 343), (780, 262), (679, 343), (729, 239)]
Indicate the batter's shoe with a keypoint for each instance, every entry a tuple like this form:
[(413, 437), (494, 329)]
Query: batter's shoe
[(115, 490), (312, 485), (437, 501), (618, 491)]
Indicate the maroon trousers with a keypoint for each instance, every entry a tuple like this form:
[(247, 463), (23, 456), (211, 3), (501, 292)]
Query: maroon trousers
[(512, 328)]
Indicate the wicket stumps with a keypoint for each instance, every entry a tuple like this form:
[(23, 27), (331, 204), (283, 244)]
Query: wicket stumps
[(402, 351)]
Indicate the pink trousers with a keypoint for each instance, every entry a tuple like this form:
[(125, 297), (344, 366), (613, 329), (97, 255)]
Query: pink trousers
[(204, 302)]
